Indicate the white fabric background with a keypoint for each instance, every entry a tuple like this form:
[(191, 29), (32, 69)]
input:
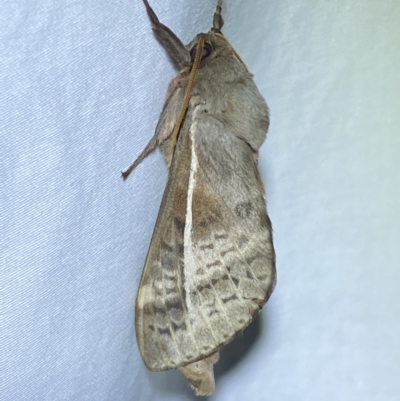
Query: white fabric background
[(82, 85)]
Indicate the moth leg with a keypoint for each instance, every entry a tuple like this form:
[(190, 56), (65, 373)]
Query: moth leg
[(145, 152), (200, 374), (164, 127)]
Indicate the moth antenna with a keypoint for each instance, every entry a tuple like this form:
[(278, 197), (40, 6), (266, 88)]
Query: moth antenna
[(152, 15), (218, 21), (172, 44)]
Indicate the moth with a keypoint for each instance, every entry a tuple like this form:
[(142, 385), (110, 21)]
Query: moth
[(211, 263)]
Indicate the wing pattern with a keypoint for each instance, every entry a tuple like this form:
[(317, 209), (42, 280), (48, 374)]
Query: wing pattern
[(211, 263)]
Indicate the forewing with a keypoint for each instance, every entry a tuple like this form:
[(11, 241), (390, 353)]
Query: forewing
[(233, 273), (210, 265), (162, 327)]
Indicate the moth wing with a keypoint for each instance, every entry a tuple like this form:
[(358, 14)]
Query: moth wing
[(211, 264), (161, 320), (231, 270)]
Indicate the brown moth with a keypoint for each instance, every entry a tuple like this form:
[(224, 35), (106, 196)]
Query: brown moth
[(211, 263)]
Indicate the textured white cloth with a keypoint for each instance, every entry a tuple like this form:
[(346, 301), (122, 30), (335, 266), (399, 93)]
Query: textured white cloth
[(82, 86)]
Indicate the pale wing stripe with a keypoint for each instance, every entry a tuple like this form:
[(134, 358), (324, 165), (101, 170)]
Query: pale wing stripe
[(188, 246), (189, 324), (189, 260), (187, 321)]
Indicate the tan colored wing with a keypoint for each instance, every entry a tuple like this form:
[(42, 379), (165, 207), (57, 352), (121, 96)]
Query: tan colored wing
[(211, 264), (230, 267), (161, 315)]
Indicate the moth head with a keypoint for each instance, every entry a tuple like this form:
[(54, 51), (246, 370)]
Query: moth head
[(217, 53)]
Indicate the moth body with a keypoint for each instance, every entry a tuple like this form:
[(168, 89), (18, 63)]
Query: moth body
[(211, 263)]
